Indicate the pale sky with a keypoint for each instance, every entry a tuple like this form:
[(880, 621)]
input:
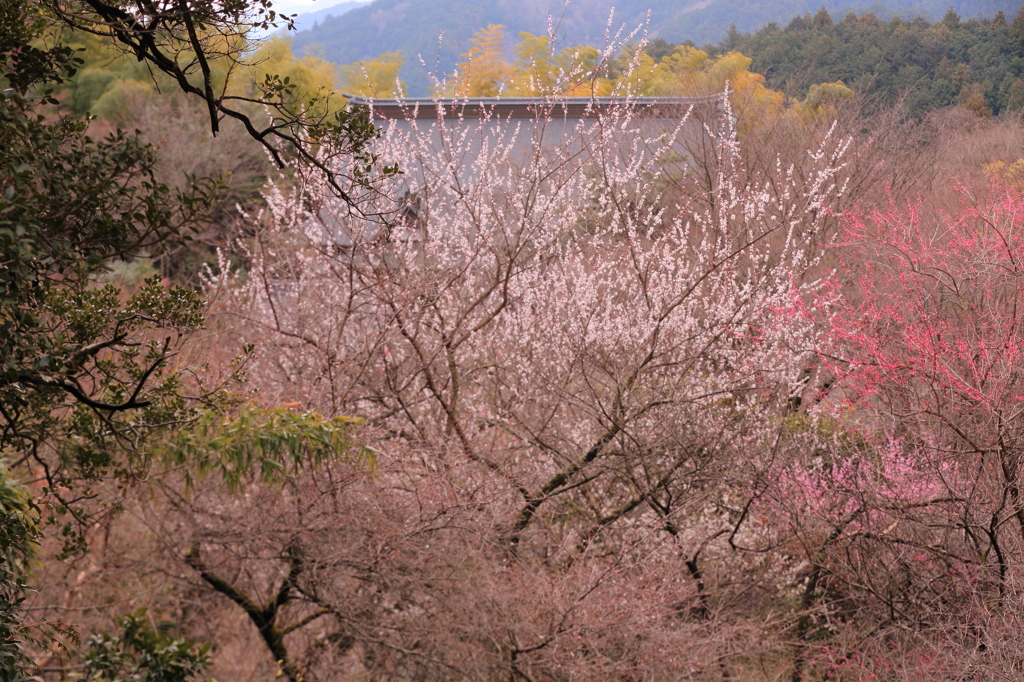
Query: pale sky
[(297, 7), (300, 6)]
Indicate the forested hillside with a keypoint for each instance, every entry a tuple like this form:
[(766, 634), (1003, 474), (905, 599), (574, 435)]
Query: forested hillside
[(980, 63), (414, 27)]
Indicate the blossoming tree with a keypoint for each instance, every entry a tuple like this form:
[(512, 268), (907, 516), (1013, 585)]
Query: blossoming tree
[(599, 368)]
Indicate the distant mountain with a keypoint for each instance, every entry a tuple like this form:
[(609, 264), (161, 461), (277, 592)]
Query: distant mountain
[(308, 20), (415, 26)]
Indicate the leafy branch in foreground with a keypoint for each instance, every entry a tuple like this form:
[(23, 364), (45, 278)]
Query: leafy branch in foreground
[(85, 369), (93, 386), (19, 532), (142, 654), (86, 373), (268, 443)]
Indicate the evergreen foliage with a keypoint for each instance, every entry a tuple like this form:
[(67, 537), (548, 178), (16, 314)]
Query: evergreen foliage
[(975, 63), (88, 388), (143, 654)]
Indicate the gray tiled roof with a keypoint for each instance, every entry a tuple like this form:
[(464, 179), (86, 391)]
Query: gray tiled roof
[(522, 107)]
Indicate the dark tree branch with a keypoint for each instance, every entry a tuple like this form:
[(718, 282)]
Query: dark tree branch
[(265, 618)]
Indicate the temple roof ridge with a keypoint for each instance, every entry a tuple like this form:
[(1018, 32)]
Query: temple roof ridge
[(521, 107)]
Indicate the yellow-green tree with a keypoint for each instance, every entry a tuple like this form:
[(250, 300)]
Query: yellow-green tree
[(110, 81), (821, 101), (688, 71), (533, 66), (307, 77), (373, 77), (107, 82), (572, 71), (484, 69), (637, 71)]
